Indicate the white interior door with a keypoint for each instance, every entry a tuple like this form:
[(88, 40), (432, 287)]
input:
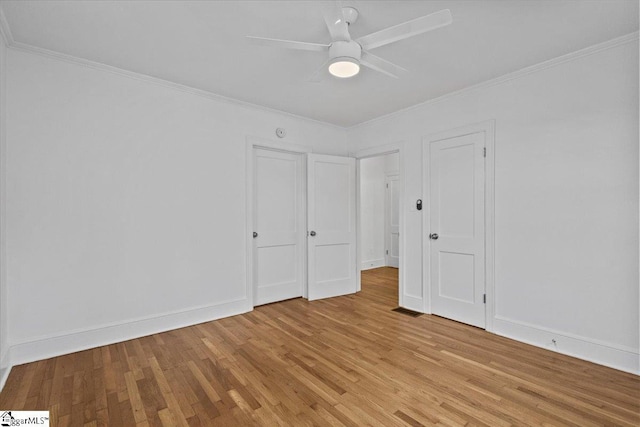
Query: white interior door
[(279, 226), (457, 228), (392, 222), (331, 186)]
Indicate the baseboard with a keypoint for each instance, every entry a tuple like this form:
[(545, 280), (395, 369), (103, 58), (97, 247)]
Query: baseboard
[(412, 303), (614, 356), (368, 265), (47, 347)]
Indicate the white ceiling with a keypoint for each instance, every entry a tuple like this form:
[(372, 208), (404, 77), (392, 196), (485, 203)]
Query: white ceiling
[(201, 44)]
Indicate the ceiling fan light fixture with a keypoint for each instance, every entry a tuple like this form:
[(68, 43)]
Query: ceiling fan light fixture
[(344, 67), (346, 55)]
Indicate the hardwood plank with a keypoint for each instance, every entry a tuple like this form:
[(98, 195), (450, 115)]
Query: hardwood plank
[(342, 361), (134, 398)]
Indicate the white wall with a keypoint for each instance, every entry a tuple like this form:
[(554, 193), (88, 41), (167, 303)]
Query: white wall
[(4, 347), (566, 199), (372, 203), (126, 204)]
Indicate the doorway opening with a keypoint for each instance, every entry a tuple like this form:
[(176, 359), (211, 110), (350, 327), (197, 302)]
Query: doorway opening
[(379, 224)]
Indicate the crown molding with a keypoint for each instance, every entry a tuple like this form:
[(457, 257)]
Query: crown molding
[(24, 47), (5, 32), (572, 56)]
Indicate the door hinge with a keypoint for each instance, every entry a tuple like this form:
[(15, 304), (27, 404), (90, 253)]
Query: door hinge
[(484, 151), (484, 298), (387, 185), (387, 251)]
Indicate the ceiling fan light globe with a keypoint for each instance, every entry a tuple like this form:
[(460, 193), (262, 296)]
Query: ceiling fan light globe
[(344, 68)]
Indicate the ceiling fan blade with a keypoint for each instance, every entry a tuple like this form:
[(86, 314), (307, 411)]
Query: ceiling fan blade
[(320, 73), (289, 44), (406, 29), (381, 65), (338, 27)]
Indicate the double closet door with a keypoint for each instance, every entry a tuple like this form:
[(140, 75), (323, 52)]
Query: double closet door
[(304, 226)]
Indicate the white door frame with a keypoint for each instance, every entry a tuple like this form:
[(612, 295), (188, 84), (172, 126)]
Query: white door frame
[(488, 128), (257, 142), (375, 152)]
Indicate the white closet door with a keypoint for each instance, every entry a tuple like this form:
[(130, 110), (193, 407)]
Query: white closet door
[(279, 233), (331, 241)]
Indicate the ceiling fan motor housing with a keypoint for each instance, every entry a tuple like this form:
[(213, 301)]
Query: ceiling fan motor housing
[(345, 49), (349, 14)]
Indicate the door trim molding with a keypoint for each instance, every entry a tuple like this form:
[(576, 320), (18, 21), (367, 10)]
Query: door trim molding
[(269, 144), (488, 128), (397, 147)]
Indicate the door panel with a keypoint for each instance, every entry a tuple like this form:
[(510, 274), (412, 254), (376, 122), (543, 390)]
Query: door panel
[(279, 222), (332, 204), (277, 264), (332, 262), (456, 190), (392, 222), (455, 271), (332, 218), (457, 215)]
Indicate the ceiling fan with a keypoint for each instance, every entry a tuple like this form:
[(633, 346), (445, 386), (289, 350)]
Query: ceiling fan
[(345, 55)]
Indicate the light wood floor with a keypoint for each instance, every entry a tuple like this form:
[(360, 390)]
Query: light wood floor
[(342, 361)]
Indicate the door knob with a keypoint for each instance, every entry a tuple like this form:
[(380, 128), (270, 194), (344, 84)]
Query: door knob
[(313, 233), (433, 236), (255, 234)]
